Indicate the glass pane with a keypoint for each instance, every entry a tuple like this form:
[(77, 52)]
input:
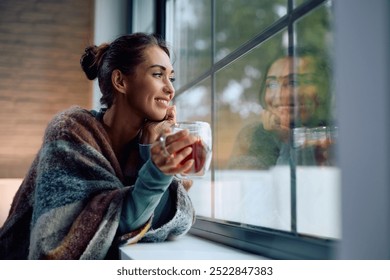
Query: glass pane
[(249, 187), (273, 119), (195, 105), (238, 21), (189, 31), (299, 2), (143, 17), (318, 178)]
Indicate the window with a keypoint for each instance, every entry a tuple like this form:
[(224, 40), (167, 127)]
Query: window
[(142, 15), (260, 73)]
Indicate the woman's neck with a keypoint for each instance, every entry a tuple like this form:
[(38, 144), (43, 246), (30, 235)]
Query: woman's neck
[(121, 128)]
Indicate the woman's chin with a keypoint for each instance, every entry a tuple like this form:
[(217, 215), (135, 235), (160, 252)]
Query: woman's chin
[(157, 117)]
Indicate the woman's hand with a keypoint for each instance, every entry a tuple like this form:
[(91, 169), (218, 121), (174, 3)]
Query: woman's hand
[(168, 155), (275, 122), (152, 129)]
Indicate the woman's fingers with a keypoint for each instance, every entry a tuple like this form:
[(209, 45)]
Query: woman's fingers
[(179, 140), (270, 120), (153, 129), (171, 114), (186, 167), (176, 136), (171, 163)]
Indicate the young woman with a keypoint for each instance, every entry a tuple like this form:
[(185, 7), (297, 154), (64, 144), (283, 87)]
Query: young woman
[(102, 179)]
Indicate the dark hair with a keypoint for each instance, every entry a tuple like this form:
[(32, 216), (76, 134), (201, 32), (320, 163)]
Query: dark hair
[(124, 54)]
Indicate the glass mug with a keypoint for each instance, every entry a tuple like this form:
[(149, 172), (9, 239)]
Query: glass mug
[(201, 149), (314, 136), (320, 140)]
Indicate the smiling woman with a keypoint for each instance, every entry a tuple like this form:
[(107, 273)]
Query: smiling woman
[(102, 179)]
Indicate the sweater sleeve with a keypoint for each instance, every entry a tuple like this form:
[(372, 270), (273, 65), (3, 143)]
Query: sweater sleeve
[(149, 192)]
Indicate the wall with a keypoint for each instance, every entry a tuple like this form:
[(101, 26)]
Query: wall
[(111, 21), (41, 42), (362, 58)]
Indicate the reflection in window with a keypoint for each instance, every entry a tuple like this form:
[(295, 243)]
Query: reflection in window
[(318, 189), (244, 151), (295, 122), (271, 107), (295, 128), (239, 108)]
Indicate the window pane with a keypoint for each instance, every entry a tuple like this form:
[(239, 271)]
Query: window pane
[(299, 2), (249, 188), (143, 18), (238, 21), (318, 182), (268, 108), (189, 30), (195, 105)]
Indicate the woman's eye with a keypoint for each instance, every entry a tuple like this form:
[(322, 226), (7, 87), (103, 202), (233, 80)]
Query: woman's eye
[(158, 75), (272, 84)]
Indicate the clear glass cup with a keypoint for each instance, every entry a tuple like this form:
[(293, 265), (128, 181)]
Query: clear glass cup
[(304, 137), (299, 134), (201, 149)]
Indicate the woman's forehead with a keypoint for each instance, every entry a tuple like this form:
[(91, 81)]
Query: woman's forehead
[(284, 66), (154, 55)]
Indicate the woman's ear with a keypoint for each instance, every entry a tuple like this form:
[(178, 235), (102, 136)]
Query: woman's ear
[(118, 81)]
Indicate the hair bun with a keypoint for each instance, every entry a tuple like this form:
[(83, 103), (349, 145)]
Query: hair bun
[(88, 62)]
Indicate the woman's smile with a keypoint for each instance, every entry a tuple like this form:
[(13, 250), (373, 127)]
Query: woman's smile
[(162, 102)]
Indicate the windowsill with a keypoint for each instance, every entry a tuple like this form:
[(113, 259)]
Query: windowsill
[(188, 247)]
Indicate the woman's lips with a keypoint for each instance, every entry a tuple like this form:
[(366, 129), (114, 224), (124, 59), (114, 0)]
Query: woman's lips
[(163, 102)]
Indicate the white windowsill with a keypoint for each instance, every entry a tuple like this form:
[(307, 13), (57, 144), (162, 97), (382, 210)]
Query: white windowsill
[(188, 247)]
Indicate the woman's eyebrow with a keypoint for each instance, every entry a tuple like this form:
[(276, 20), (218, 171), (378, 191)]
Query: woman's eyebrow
[(161, 67)]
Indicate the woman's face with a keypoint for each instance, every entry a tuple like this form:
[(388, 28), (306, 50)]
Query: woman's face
[(150, 89), (290, 91)]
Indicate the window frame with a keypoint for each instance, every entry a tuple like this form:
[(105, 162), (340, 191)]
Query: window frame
[(267, 242), (274, 244)]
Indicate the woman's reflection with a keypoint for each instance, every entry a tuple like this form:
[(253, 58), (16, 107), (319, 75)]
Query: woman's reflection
[(295, 96)]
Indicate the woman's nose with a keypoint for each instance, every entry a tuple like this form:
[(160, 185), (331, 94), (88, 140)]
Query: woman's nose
[(169, 89), (284, 94)]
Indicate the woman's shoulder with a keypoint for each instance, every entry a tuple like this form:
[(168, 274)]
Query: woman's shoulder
[(249, 130), (73, 112), (70, 121)]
